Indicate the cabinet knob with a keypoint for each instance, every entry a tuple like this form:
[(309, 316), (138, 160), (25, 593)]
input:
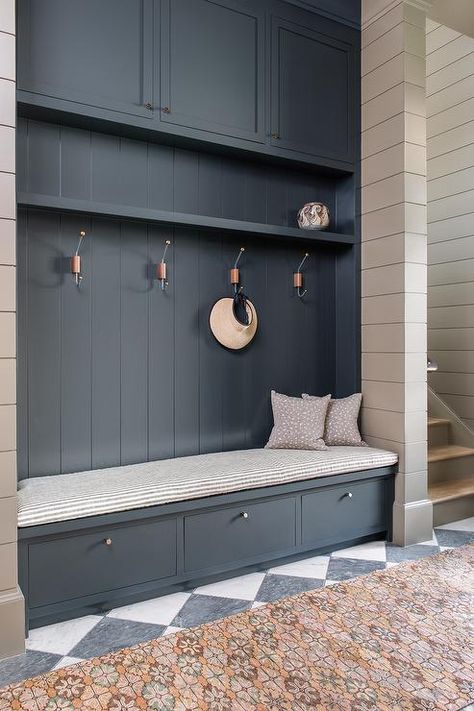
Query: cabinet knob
[(276, 136), (348, 495), (166, 110), (148, 106), (244, 514), (108, 541)]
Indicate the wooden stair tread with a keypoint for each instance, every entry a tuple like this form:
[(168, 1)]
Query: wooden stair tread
[(437, 421), (448, 451), (448, 490)]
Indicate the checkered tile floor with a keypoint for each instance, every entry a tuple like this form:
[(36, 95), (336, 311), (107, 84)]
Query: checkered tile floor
[(67, 642)]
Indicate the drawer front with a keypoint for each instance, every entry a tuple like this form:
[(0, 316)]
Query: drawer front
[(343, 512), (111, 558), (239, 533)]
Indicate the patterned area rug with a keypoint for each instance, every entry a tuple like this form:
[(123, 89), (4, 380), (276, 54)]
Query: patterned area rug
[(394, 640)]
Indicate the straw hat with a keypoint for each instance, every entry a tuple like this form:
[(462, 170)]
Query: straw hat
[(225, 327)]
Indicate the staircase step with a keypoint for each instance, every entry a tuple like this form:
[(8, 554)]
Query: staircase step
[(450, 490), (437, 422), (450, 451)]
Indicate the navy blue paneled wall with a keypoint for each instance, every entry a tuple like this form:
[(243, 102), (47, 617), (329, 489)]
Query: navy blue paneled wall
[(117, 371), (61, 161)]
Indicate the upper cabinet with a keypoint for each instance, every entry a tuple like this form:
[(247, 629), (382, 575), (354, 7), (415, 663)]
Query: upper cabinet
[(257, 75), (311, 91), (212, 66), (98, 54)]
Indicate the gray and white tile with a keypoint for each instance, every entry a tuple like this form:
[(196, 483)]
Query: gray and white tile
[(348, 568), (61, 637), (158, 611), (315, 567), (244, 587), (111, 634), (66, 643), (26, 666), (397, 554), (207, 608), (275, 587)]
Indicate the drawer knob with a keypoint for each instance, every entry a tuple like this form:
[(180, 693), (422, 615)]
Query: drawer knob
[(276, 136), (349, 494), (108, 541), (148, 106), (244, 514), (166, 110)]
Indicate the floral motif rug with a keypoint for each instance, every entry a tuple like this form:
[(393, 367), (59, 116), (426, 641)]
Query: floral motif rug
[(394, 640)]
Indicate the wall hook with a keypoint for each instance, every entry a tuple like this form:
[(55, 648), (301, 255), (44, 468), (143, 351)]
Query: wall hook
[(76, 260), (298, 278), (235, 272), (161, 268)]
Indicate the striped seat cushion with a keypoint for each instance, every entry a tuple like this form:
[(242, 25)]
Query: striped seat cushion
[(71, 496)]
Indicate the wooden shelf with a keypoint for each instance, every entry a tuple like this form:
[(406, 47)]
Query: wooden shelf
[(181, 219)]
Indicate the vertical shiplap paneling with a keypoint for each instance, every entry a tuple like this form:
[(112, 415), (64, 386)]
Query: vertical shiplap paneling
[(45, 269), (233, 404), (106, 165), (106, 341), (185, 181), (213, 284), (210, 185), (80, 164), (75, 330), (22, 346), (123, 372), (43, 158), (258, 411), (75, 163), (160, 172), (134, 306), (133, 184), (161, 348), (186, 343)]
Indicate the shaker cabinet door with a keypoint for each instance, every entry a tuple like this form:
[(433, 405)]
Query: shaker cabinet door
[(94, 53), (212, 66), (311, 91)]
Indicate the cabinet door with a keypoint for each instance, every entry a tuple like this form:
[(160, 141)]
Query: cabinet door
[(212, 73), (311, 91), (94, 53)]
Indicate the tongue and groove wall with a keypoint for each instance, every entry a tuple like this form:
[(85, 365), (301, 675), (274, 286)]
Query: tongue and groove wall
[(117, 371)]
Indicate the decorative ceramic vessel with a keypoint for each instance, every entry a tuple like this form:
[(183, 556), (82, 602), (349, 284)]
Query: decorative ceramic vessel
[(313, 216)]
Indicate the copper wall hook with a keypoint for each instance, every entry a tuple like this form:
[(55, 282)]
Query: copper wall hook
[(235, 271), (161, 270), (76, 260), (298, 278)]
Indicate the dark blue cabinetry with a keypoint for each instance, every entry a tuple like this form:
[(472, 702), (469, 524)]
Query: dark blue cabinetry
[(261, 76)]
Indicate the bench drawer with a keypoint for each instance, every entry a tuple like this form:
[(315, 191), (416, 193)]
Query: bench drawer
[(110, 558), (344, 512), (241, 533)]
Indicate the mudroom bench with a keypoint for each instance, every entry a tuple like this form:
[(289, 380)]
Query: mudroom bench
[(93, 540)]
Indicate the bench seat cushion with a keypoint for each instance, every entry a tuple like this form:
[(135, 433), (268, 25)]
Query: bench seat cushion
[(71, 496)]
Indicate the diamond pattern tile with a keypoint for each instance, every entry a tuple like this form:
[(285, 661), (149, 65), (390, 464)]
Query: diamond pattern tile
[(68, 642)]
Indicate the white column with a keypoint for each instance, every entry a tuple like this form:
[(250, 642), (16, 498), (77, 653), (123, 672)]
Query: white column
[(394, 249), (11, 599)]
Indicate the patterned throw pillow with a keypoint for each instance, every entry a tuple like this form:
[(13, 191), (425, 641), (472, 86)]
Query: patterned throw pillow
[(342, 428), (298, 423)]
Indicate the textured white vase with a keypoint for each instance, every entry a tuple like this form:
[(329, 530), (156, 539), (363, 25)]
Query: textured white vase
[(313, 216)]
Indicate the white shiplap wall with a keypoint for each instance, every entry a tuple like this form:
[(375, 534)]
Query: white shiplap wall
[(12, 623), (393, 197), (450, 176)]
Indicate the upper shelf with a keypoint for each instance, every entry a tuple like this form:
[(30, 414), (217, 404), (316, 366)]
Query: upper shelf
[(183, 219)]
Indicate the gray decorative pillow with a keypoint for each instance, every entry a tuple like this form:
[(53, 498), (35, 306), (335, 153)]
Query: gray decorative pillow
[(342, 428), (298, 423)]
